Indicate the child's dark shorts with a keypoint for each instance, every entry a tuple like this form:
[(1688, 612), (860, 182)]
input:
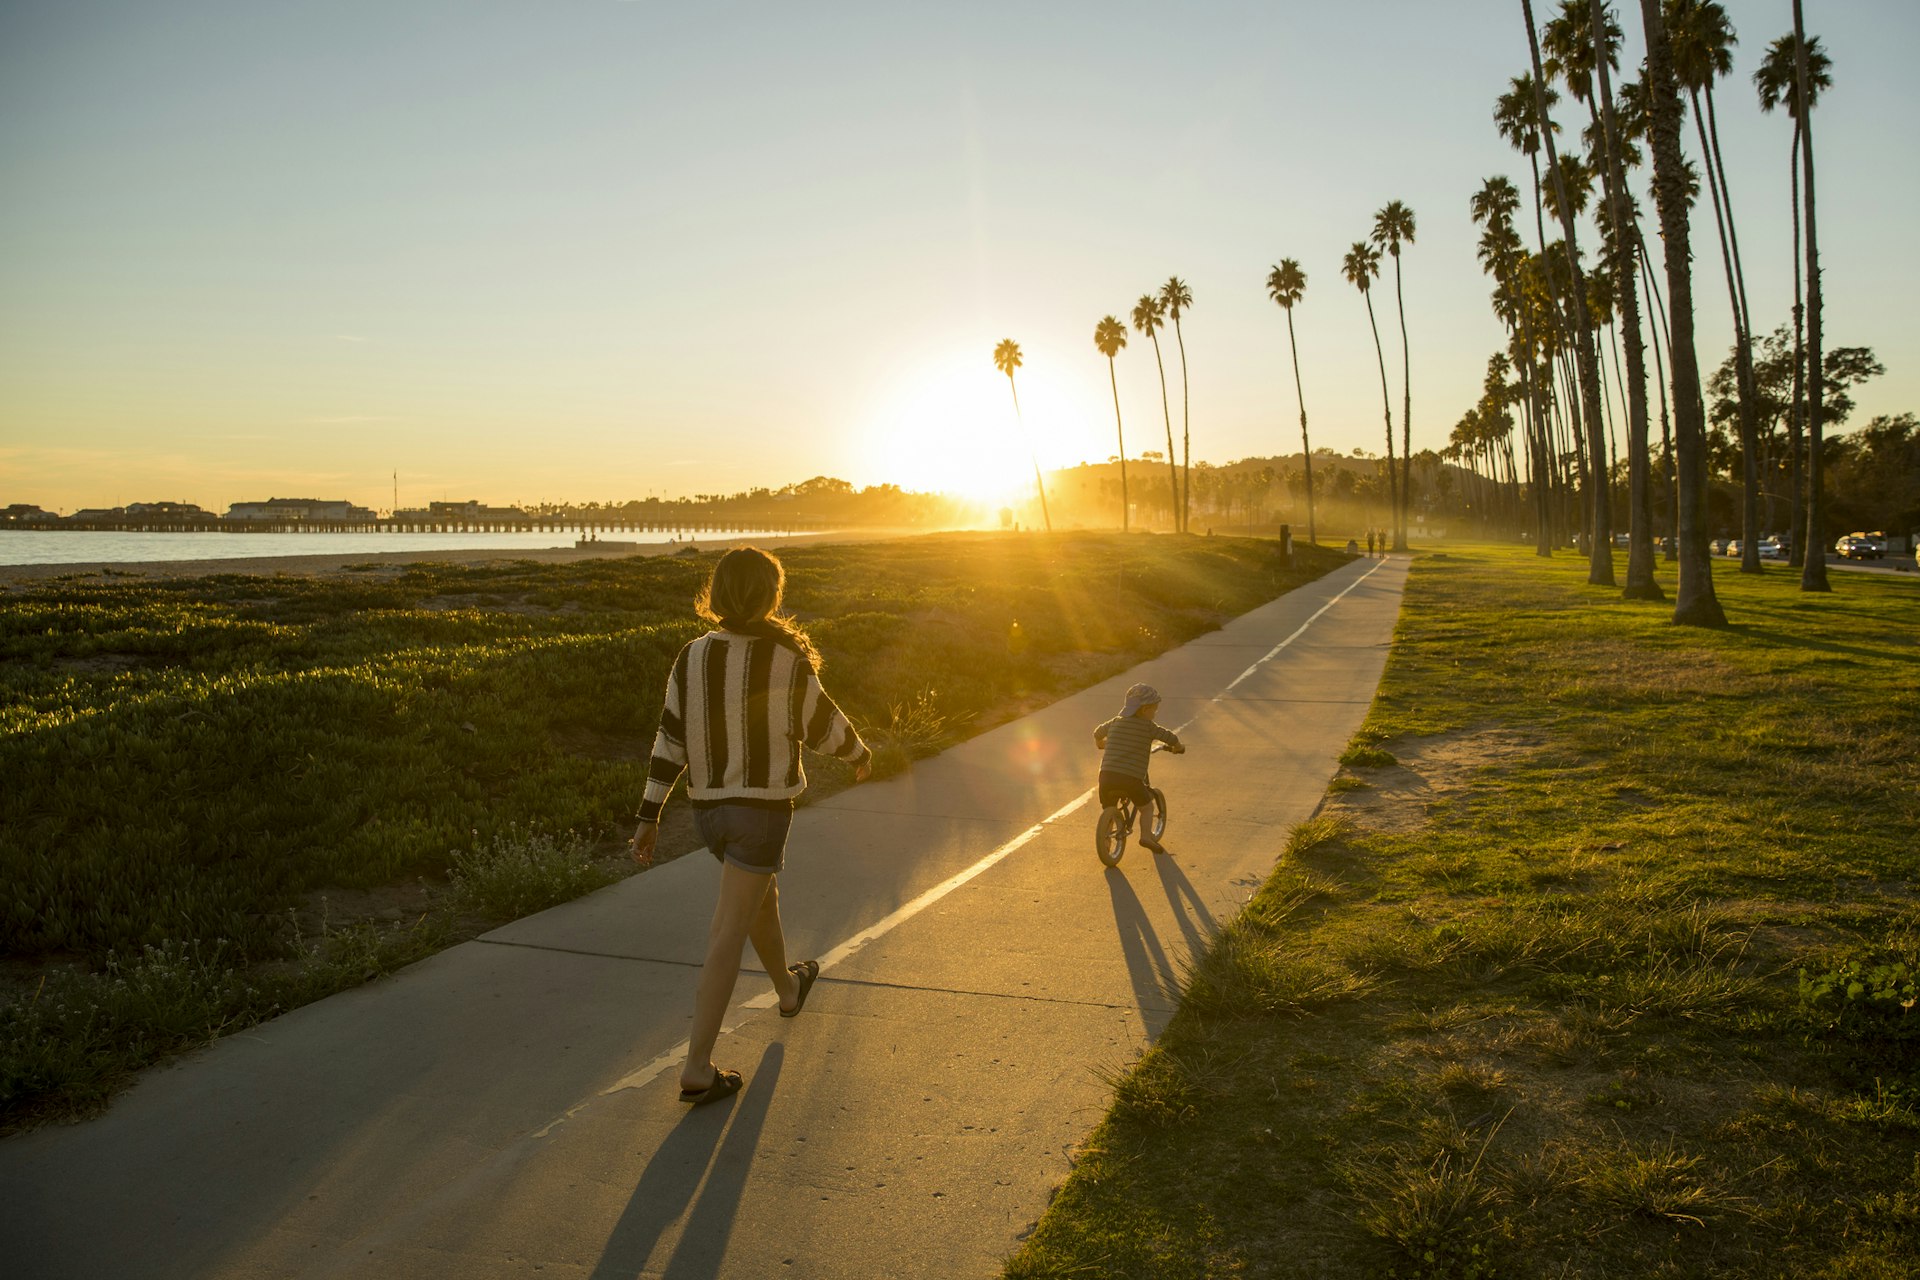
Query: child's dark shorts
[(752, 838), (1115, 785)]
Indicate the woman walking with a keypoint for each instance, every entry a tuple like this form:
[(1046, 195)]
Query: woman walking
[(741, 701)]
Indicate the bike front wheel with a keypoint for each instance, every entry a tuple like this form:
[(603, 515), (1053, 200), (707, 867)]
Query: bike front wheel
[(1155, 824), (1110, 836)]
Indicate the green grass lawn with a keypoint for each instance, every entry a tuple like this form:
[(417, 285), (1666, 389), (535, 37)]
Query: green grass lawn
[(1599, 961), (200, 773)]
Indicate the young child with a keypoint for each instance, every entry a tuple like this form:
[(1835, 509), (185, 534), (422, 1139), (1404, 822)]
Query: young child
[(1125, 743)]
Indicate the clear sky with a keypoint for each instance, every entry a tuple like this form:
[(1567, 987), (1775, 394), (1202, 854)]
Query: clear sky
[(595, 249)]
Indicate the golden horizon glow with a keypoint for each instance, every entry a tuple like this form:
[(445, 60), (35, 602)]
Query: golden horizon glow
[(947, 424)]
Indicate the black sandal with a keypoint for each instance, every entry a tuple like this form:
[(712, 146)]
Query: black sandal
[(725, 1085), (806, 972)]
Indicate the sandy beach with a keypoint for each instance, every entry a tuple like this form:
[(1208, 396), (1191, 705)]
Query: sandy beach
[(390, 561)]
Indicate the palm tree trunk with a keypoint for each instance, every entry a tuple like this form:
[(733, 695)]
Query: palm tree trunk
[(1539, 475), (1813, 575), (1306, 450), (1166, 411), (1660, 380), (1742, 342), (1750, 561), (1037, 482), (1600, 529), (1695, 604), (1120, 435), (1640, 581), (1386, 402), (1186, 442), (1406, 414), (1796, 418)]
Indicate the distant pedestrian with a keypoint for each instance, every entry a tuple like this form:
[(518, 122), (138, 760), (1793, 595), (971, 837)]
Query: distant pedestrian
[(1369, 542), (741, 702)]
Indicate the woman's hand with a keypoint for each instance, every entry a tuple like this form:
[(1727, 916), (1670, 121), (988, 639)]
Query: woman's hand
[(643, 842)]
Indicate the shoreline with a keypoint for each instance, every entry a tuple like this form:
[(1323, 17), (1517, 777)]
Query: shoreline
[(334, 564)]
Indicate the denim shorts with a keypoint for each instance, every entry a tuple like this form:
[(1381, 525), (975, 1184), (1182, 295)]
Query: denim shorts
[(750, 837)]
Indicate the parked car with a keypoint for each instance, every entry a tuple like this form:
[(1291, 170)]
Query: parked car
[(1734, 546), (1772, 549), (1719, 546), (1856, 546)]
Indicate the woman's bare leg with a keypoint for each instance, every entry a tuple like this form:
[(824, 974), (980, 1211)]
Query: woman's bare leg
[(735, 915), (770, 944)]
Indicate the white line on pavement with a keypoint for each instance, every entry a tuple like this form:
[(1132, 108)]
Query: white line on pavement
[(1275, 651)]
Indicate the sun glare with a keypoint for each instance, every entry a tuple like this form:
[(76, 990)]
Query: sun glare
[(948, 425)]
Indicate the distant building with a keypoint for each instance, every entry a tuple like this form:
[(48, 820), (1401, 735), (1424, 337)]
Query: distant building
[(472, 509), (453, 512), (87, 514), (285, 509), (168, 510), (25, 513)]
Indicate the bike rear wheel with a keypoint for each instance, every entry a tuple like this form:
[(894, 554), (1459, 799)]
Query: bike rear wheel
[(1154, 824), (1110, 836)]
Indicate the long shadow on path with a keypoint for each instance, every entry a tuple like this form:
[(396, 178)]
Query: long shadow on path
[(704, 1162), (1156, 987), (1196, 922)]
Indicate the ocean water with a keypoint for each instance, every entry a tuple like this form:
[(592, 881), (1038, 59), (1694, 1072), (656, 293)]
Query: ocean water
[(85, 546)]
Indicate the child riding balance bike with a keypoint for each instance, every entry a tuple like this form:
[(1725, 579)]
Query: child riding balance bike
[(1127, 743)]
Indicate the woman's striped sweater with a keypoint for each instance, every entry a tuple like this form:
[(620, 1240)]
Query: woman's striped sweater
[(738, 710)]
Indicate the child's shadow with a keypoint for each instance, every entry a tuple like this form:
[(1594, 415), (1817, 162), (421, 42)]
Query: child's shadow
[(1196, 922), (1156, 986), (707, 1153)]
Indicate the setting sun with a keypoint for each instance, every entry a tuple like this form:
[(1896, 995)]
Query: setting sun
[(948, 424)]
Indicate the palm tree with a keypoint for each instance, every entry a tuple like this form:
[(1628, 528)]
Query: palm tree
[(1285, 285), (1778, 81), (1703, 39), (1110, 336), (1392, 227), (1695, 603), (1006, 358), (1361, 266), (1600, 525), (1176, 297), (1148, 316), (1813, 575)]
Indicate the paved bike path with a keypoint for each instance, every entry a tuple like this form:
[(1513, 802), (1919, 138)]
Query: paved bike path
[(507, 1108)]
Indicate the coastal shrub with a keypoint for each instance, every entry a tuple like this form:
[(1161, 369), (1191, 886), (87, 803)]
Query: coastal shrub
[(185, 758)]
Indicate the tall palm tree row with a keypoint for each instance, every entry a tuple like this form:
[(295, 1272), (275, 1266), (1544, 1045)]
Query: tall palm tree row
[(1393, 226), (1522, 115), (1149, 316), (1600, 523), (1695, 603), (1585, 43), (1176, 298), (1501, 256), (1778, 81), (1361, 267), (1110, 336), (1286, 284), (1006, 358)]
